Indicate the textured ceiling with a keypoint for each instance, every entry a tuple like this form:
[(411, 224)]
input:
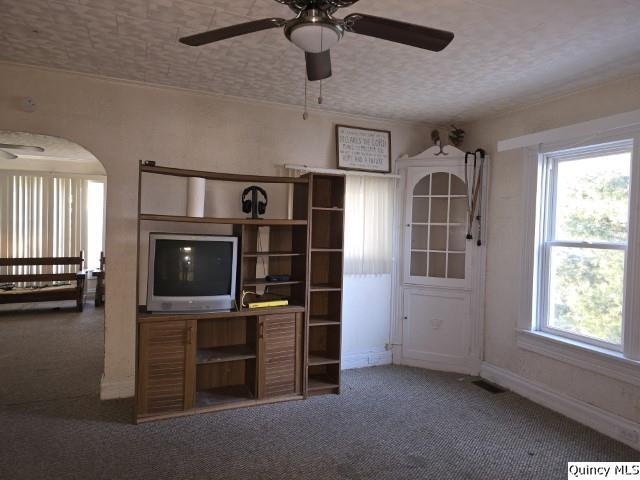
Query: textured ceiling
[(507, 53)]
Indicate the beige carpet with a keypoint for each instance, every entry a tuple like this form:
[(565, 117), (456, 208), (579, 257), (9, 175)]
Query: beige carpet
[(389, 423)]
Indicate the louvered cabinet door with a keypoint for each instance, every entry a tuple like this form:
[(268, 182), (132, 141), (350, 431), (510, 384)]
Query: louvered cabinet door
[(166, 360), (279, 351)]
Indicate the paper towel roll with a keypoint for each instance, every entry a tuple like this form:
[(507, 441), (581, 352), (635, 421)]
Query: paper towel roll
[(195, 197)]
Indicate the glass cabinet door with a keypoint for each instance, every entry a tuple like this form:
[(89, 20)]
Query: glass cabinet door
[(436, 214)]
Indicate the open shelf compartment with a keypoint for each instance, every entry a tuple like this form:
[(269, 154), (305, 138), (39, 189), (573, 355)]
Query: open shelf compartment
[(275, 250), (324, 345), (328, 191), (323, 379), (326, 270), (220, 383), (225, 360), (327, 229), (325, 308)]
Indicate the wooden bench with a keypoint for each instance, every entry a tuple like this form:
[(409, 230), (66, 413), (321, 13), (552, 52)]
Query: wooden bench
[(45, 288)]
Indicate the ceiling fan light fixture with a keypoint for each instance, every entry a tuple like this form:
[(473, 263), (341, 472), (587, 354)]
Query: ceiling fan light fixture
[(315, 37)]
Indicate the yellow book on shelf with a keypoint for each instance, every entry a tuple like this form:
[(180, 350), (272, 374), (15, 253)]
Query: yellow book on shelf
[(269, 303)]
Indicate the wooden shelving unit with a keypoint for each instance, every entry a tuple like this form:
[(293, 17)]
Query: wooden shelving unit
[(324, 313), (210, 361)]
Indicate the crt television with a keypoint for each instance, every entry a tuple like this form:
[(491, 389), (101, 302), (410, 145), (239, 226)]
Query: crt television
[(191, 272)]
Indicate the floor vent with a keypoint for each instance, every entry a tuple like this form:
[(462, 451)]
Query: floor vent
[(489, 387)]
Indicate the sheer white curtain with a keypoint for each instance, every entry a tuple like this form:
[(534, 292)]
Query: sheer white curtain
[(42, 216), (368, 225)]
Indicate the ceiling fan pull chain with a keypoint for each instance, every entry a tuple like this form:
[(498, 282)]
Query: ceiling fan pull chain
[(321, 49), (305, 114)]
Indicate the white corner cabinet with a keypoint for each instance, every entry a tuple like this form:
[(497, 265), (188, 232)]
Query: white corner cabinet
[(440, 280)]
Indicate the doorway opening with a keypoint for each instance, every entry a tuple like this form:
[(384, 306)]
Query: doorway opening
[(52, 264)]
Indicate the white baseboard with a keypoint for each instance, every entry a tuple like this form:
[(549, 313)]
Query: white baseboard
[(466, 368), (614, 426), (366, 359), (112, 389)]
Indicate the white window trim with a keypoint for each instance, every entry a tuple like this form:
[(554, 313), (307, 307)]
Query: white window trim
[(623, 365), (546, 224)]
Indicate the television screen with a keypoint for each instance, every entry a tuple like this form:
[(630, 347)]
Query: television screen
[(192, 268)]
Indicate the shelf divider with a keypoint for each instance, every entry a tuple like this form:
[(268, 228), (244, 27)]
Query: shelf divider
[(229, 353), (272, 254), (149, 217), (228, 177), (321, 359), (255, 282)]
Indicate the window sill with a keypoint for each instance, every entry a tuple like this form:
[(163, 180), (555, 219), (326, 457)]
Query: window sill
[(596, 359)]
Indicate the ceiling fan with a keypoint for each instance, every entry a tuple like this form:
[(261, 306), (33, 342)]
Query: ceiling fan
[(315, 30), (5, 155)]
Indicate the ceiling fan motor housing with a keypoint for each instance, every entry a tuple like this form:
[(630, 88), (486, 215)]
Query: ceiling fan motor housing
[(314, 31)]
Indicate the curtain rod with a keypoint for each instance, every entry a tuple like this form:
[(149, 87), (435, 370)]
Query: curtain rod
[(308, 168)]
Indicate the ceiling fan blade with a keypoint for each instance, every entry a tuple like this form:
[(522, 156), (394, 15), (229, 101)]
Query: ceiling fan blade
[(4, 155), (318, 65), (399, 32), (232, 31), (26, 148)]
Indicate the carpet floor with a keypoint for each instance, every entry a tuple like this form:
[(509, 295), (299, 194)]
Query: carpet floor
[(389, 423)]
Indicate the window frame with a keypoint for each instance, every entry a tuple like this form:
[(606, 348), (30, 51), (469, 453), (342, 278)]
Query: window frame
[(548, 163)]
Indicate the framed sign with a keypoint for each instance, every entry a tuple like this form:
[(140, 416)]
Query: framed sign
[(363, 149)]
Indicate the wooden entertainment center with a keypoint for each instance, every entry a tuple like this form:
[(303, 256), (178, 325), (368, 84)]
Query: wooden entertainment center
[(203, 362)]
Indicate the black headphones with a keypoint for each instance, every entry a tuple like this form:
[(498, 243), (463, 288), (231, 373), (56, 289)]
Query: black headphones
[(247, 203)]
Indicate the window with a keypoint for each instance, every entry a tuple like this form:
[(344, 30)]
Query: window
[(583, 231), (95, 223), (44, 215), (368, 225)]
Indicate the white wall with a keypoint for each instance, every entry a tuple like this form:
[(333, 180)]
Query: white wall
[(122, 122), (505, 236), (366, 310)]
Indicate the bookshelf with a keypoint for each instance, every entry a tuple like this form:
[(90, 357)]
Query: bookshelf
[(326, 257), (209, 361)]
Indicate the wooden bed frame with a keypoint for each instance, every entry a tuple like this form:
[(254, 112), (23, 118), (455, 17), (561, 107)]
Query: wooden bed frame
[(44, 294)]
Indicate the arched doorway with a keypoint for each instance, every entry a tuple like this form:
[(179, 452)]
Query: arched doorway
[(52, 209)]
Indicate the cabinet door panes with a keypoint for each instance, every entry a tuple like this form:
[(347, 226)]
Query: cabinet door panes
[(438, 218)]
